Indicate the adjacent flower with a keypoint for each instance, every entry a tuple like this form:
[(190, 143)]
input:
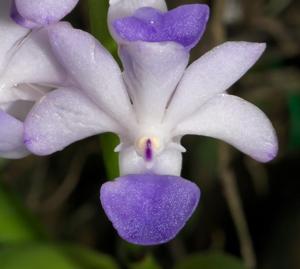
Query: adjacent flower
[(28, 70), (155, 101), (38, 13)]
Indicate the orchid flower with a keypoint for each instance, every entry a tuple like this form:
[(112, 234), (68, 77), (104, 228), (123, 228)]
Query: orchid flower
[(151, 105), (28, 68)]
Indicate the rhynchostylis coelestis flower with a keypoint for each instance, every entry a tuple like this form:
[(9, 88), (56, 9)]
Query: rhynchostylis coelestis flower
[(28, 68), (151, 105)]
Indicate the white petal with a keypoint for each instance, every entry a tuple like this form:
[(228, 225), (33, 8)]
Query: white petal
[(10, 32), (123, 8), (30, 60), (213, 73), (94, 69), (235, 121), (33, 62), (62, 117), (11, 137), (168, 162), (152, 72)]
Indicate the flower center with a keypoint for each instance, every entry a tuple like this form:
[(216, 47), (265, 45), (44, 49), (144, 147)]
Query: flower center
[(147, 147)]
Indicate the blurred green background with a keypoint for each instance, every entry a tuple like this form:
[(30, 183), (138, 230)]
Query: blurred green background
[(50, 214)]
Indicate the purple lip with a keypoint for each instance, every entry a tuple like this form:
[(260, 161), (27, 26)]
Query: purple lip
[(149, 209)]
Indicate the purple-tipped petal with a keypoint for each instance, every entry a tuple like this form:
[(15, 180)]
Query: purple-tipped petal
[(19, 19), (149, 209), (235, 121), (184, 25), (37, 13), (62, 117), (11, 137)]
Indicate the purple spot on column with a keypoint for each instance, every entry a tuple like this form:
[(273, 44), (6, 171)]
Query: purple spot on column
[(148, 150)]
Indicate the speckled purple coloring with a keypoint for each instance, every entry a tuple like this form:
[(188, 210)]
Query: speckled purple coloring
[(149, 209), (184, 25)]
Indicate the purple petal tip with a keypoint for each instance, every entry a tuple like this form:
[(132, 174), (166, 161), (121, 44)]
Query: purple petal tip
[(184, 25), (17, 18), (271, 154), (38, 13), (149, 209)]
